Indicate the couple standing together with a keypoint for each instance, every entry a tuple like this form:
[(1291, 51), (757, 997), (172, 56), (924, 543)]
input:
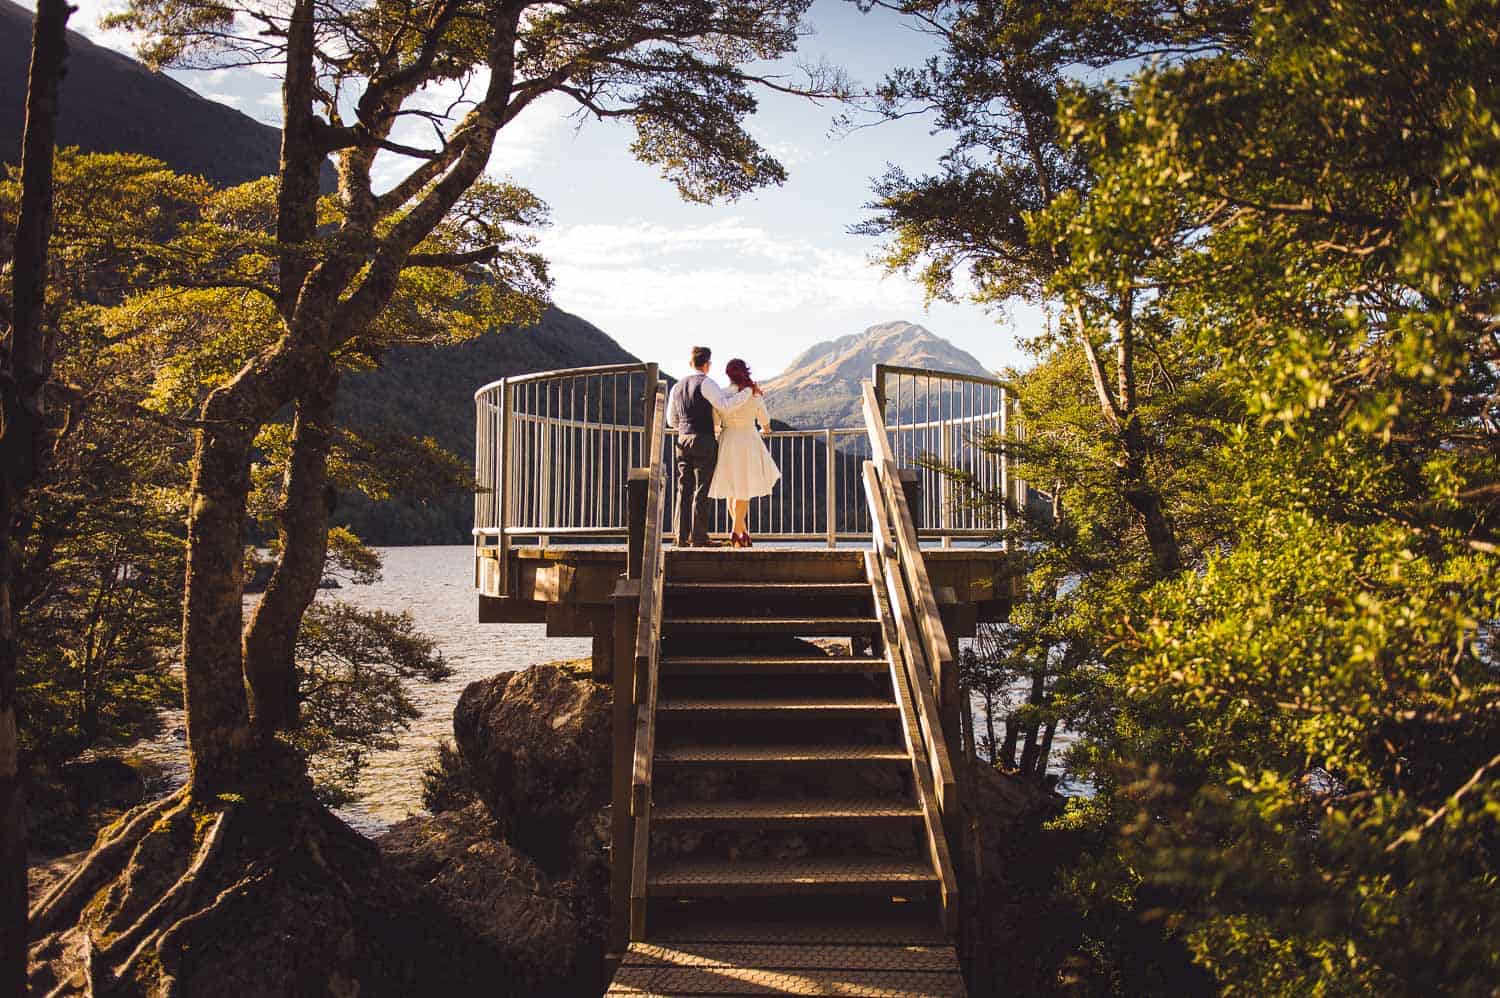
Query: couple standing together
[(719, 454)]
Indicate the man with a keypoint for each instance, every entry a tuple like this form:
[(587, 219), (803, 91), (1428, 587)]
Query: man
[(690, 411)]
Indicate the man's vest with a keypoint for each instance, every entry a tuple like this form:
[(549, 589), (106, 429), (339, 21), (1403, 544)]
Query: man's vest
[(699, 410)]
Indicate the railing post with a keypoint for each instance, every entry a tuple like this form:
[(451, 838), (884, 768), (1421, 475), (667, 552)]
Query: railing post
[(648, 406), (944, 512), (635, 545), (911, 485), (830, 488), (1006, 499), (502, 513), (627, 597), (545, 479)]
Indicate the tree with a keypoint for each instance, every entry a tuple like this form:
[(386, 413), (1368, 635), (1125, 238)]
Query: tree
[(24, 370), (972, 230), (1292, 745), (281, 300)]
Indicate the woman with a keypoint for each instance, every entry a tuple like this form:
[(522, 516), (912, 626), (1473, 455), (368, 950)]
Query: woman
[(745, 469)]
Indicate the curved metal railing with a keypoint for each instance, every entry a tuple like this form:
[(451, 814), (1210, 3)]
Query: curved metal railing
[(554, 449)]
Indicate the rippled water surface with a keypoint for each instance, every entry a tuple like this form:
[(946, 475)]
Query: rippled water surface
[(435, 585)]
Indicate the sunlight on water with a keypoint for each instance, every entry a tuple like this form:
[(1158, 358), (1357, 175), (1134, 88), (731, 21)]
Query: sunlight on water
[(433, 584)]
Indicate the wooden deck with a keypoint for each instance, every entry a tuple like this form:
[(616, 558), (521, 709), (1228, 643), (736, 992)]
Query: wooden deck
[(828, 963), (787, 817)]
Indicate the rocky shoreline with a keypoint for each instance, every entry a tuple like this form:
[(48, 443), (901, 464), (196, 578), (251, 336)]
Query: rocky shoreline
[(504, 889)]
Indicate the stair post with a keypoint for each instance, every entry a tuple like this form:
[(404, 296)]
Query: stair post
[(627, 600), (635, 545)]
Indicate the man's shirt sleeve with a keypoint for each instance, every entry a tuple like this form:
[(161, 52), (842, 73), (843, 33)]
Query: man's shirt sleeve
[(716, 398), (674, 406)]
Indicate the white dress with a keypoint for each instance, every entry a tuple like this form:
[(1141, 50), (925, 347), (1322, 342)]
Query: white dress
[(745, 469)]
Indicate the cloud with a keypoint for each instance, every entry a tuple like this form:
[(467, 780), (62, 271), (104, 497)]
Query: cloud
[(655, 270)]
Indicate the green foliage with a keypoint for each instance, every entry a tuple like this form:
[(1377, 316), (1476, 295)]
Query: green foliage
[(1283, 217), (353, 666), (448, 784)]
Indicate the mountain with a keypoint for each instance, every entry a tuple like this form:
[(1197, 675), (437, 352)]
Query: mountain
[(430, 392), (821, 386), (111, 103)]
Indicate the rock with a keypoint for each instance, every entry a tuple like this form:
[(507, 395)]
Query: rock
[(514, 923), (104, 780), (538, 745)]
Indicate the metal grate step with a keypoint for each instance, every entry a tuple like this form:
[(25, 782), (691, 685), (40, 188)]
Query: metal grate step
[(681, 982), (722, 879), (771, 625), (688, 754), (691, 927), (766, 664), (764, 812), (802, 955), (774, 588), (863, 705)]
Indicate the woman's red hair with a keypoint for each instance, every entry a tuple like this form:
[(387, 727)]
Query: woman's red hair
[(738, 373)]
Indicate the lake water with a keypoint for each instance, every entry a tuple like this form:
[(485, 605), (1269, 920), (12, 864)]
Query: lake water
[(434, 585)]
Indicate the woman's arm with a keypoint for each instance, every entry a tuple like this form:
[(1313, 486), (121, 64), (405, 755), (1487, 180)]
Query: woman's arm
[(763, 415)]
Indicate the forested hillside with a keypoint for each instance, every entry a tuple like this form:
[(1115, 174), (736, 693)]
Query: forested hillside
[(112, 103), (429, 392)]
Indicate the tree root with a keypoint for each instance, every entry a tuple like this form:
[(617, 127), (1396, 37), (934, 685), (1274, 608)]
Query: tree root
[(169, 948), (63, 904), (142, 935)]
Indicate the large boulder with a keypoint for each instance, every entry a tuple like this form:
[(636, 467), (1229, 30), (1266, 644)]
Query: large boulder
[(508, 928), (537, 744)]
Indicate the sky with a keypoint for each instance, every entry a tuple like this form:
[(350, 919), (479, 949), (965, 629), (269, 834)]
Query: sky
[(764, 277)]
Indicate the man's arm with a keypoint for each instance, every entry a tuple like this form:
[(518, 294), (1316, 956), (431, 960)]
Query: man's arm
[(674, 406), (715, 396)]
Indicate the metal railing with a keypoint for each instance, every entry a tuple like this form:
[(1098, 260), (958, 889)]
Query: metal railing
[(553, 453), (940, 423)]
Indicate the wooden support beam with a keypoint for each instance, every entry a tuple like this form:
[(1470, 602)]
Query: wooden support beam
[(506, 610), (627, 599)]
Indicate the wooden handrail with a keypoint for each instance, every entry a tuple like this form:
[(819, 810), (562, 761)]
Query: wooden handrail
[(886, 576), (945, 375), (908, 547), (918, 743), (647, 662)]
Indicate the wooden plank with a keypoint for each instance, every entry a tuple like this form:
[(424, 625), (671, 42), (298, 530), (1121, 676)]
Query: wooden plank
[(929, 623), (506, 610), (679, 982), (793, 956), (928, 796), (566, 620), (622, 761), (882, 570), (647, 655)]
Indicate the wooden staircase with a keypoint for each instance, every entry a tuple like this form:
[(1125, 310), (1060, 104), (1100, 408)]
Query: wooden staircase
[(789, 840)]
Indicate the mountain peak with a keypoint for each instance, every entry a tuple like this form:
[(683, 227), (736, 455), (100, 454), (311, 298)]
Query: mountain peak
[(821, 386)]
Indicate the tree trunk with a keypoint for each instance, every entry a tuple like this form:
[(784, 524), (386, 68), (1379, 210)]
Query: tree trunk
[(1012, 736), (1046, 751), (24, 370), (271, 642), (218, 717), (1161, 535), (989, 723), (1034, 698)]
